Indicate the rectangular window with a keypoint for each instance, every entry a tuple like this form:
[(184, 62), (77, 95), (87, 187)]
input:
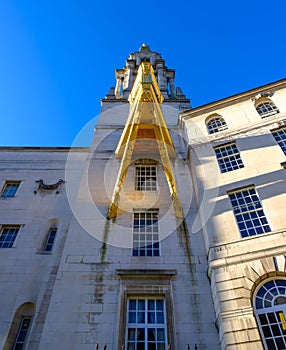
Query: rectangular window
[(22, 332), (146, 324), (280, 137), (248, 212), (10, 188), (146, 233), (146, 178), (228, 157), (50, 239), (8, 236)]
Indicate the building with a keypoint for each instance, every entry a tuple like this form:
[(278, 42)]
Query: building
[(168, 232)]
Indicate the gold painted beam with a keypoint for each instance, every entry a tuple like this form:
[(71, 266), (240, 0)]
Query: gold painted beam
[(145, 90), (126, 159)]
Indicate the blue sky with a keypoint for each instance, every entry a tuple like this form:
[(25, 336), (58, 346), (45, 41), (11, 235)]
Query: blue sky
[(58, 57)]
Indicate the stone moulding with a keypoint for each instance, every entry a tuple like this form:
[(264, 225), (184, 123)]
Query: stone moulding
[(51, 187), (145, 274)]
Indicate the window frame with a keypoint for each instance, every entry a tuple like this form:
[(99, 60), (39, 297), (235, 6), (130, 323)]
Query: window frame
[(247, 220), (143, 182), (144, 233), (228, 160), (219, 124), (20, 329), (152, 283), (8, 183), (10, 242), (262, 108), (271, 317), (280, 141), (52, 231), (146, 325)]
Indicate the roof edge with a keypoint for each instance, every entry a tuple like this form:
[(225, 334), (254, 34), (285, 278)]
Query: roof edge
[(242, 95), (43, 149)]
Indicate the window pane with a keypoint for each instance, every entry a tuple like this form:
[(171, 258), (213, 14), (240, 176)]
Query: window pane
[(151, 334), (151, 317), (140, 334), (161, 334)]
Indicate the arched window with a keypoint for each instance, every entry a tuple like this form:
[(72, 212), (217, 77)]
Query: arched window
[(17, 337), (270, 310), (48, 236), (216, 124), (266, 109)]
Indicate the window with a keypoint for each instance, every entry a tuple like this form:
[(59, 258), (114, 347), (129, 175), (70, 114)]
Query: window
[(146, 325), (10, 188), (248, 212), (228, 157), (146, 178), (280, 137), (145, 234), (22, 321), (50, 239), (266, 109), (8, 236), (22, 332), (270, 310), (216, 124)]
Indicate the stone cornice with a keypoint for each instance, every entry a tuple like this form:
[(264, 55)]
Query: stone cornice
[(42, 149), (209, 107), (272, 122), (246, 249)]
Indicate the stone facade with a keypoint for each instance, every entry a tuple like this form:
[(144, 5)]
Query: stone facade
[(78, 289)]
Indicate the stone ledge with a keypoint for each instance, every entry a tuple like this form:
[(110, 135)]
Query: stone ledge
[(132, 274), (246, 249)]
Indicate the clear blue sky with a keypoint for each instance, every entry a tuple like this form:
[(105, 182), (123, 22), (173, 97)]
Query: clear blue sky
[(58, 56)]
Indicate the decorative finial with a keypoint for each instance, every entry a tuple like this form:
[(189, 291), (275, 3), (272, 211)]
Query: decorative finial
[(144, 47)]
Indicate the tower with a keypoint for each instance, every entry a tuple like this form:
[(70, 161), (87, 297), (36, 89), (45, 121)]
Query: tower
[(135, 199)]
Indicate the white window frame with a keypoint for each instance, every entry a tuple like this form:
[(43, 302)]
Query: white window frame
[(146, 325), (11, 192), (216, 124), (152, 284), (9, 243), (146, 177), (146, 236), (280, 137), (248, 212), (266, 109), (270, 313), (228, 157)]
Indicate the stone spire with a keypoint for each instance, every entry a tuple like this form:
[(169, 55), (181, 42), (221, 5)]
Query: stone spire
[(125, 78)]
